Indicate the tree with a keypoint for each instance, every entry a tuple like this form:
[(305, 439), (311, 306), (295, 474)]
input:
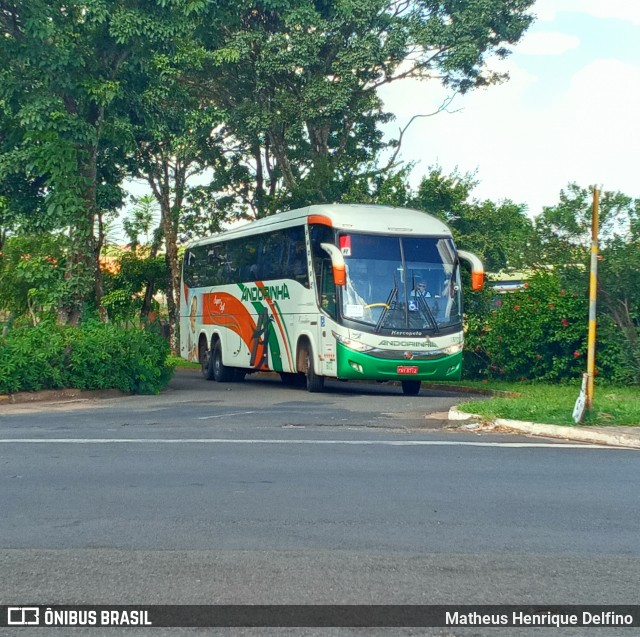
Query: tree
[(64, 65), (175, 142), (298, 83), (499, 233), (619, 291), (388, 188), (31, 281), (565, 229), (565, 234)]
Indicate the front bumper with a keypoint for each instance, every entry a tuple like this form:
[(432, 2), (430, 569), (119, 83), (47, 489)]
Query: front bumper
[(360, 365)]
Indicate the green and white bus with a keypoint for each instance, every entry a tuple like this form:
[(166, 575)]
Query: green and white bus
[(329, 291)]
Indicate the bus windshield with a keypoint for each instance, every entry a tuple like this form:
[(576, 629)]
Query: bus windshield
[(401, 283)]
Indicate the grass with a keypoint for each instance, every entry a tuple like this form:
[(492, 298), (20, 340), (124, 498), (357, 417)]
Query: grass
[(177, 361), (553, 404)]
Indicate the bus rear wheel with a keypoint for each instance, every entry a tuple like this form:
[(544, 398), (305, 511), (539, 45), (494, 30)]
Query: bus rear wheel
[(221, 372), (206, 365), (410, 387)]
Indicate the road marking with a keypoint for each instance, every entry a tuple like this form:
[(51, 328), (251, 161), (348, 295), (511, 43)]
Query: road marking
[(257, 441), (237, 413)]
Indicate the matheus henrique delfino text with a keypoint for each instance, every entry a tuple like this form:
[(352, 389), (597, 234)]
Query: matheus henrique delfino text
[(548, 618)]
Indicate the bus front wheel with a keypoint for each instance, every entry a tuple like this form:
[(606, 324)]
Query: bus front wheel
[(290, 379), (410, 387), (315, 383), (221, 372)]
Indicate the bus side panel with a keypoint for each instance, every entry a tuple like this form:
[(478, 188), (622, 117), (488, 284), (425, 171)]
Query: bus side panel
[(190, 323), (240, 335), (259, 324)]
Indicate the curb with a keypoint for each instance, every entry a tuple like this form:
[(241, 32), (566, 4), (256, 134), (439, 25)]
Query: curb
[(579, 434), (55, 395), (463, 389)]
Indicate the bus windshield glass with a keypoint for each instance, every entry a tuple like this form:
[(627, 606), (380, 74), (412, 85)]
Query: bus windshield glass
[(401, 283)]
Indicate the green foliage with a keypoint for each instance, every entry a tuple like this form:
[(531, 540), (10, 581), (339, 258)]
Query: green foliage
[(564, 238), (279, 98), (297, 82), (565, 229), (70, 72), (499, 233), (619, 298), (142, 221), (122, 305), (535, 333), (94, 356), (540, 333), (32, 358), (124, 291), (389, 188), (31, 275)]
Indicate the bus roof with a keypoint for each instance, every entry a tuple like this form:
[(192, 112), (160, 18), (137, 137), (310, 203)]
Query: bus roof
[(355, 217)]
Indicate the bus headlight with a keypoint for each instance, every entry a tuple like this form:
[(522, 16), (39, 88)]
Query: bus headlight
[(357, 346), (453, 349)]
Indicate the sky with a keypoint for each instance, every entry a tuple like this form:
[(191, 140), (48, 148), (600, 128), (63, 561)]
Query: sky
[(569, 112)]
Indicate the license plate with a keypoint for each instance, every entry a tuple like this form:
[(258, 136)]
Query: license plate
[(407, 369)]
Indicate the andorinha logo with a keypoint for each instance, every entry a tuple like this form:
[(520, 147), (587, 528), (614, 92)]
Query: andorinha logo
[(274, 292), (416, 344)]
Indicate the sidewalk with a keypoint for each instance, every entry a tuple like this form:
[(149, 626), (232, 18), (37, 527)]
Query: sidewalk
[(614, 436)]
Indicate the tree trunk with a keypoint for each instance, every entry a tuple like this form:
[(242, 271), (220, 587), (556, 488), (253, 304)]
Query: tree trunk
[(279, 149), (149, 291), (99, 284), (80, 274), (259, 192), (169, 214), (173, 289)]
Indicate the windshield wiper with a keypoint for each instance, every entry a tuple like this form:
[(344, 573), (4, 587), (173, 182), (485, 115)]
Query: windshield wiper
[(387, 306), (424, 306), (427, 313)]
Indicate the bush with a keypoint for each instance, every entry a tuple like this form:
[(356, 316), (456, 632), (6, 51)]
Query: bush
[(93, 356), (540, 333)]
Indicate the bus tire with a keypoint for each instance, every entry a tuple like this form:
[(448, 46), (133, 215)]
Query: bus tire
[(206, 363), (315, 383), (288, 379), (291, 379), (410, 387), (239, 375), (221, 372)]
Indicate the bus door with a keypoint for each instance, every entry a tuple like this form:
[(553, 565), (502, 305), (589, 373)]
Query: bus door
[(326, 294)]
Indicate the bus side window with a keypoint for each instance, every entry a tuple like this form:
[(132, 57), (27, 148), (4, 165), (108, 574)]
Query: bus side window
[(271, 265), (296, 257), (210, 271), (190, 268)]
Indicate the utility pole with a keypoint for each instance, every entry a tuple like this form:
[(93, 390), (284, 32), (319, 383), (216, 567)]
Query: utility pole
[(585, 398), (593, 294)]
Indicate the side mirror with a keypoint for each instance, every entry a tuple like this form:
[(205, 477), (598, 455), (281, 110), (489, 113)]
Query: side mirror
[(337, 263), (477, 269)]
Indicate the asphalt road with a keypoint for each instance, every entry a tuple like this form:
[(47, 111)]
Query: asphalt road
[(256, 493)]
